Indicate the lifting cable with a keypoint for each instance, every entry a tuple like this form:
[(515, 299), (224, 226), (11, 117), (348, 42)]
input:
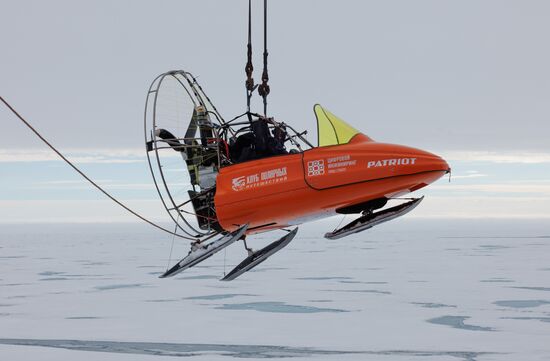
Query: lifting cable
[(86, 177), (263, 88), (249, 68)]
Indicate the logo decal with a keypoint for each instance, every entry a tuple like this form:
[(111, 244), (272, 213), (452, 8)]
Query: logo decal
[(238, 183), (315, 167), (389, 162), (272, 176), (340, 163)]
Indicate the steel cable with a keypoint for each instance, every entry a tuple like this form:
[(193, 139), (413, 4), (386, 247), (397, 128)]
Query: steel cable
[(86, 177)]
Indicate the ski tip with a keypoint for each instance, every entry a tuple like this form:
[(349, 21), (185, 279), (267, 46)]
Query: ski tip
[(166, 274), (171, 272), (186, 263), (259, 256)]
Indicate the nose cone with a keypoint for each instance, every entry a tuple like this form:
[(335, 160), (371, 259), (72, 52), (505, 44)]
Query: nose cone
[(422, 160), (394, 167), (400, 160), (411, 168), (407, 168), (401, 169)]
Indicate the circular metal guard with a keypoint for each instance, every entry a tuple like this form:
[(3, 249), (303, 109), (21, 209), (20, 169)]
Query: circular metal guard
[(174, 103)]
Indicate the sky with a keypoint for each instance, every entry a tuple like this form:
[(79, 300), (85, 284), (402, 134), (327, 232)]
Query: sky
[(468, 80)]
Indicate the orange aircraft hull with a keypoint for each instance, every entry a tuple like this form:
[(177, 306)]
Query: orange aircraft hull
[(290, 189)]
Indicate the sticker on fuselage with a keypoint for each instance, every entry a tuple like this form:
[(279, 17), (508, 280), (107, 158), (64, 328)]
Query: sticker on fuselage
[(333, 165), (315, 167), (340, 163), (272, 176), (390, 162)]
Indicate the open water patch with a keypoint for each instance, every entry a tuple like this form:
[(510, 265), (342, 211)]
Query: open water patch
[(542, 319), (93, 263), (268, 269), (323, 278), (521, 303), (119, 286), (432, 305), (364, 282), (492, 247), (533, 288), (277, 307), (368, 291), (361, 291), (50, 273), (457, 322), (18, 296), (497, 280), (77, 275), (199, 277), (228, 350), (221, 296)]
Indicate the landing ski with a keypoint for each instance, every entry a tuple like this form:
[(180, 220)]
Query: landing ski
[(201, 252), (258, 257), (372, 219)]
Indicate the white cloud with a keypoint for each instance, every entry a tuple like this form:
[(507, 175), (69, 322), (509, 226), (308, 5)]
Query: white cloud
[(503, 198), (78, 211), (541, 188), (480, 207), (82, 155), (132, 155), (77, 156), (90, 211), (497, 157), (107, 184), (471, 175), (72, 182)]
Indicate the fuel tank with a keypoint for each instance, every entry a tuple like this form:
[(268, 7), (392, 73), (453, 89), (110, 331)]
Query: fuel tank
[(290, 189)]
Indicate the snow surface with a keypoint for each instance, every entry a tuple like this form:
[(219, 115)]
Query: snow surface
[(411, 289)]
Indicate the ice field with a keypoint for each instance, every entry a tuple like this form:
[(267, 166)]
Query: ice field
[(412, 289)]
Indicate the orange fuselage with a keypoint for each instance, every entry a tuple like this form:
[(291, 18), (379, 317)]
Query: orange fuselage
[(290, 189)]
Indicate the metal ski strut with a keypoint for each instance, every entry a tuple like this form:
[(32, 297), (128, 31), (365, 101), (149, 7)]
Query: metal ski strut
[(372, 219), (257, 257), (200, 252)]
